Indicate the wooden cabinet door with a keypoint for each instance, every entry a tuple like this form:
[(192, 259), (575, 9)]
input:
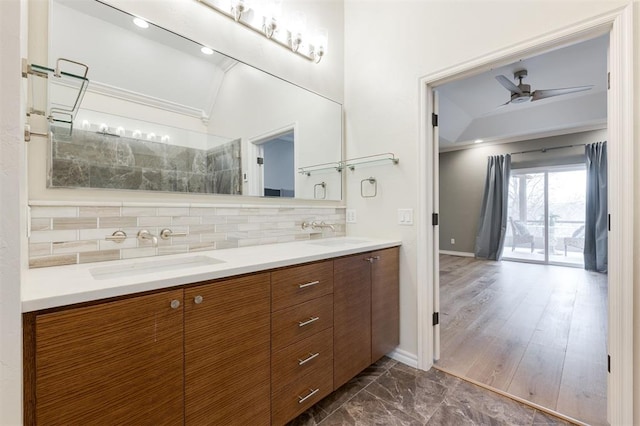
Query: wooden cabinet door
[(115, 363), (351, 317), (385, 302), (227, 352)]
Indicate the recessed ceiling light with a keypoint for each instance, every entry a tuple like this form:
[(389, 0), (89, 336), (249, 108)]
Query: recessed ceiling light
[(206, 50), (478, 141), (141, 22)]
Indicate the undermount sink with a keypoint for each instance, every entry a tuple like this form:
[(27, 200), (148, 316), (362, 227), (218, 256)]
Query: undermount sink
[(339, 242), (151, 266)]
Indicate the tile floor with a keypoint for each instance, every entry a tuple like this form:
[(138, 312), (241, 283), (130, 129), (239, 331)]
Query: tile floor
[(390, 393)]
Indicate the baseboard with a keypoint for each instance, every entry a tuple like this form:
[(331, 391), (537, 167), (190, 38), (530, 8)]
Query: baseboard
[(457, 253), (404, 357)]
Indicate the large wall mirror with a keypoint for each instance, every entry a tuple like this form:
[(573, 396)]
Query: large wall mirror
[(161, 113)]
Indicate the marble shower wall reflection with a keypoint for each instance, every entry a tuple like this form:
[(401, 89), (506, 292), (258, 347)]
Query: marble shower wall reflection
[(85, 159)]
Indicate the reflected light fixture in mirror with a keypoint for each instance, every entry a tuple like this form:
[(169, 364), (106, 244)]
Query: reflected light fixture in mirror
[(264, 18), (141, 22)]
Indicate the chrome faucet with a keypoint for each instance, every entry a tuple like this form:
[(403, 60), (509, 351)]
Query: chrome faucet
[(143, 234), (316, 225)]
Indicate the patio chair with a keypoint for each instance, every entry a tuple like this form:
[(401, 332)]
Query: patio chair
[(521, 234), (575, 240)]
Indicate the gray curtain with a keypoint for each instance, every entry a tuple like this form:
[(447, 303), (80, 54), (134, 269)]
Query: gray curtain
[(596, 221), (492, 226)]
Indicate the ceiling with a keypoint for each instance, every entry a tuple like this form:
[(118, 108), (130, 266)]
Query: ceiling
[(471, 108)]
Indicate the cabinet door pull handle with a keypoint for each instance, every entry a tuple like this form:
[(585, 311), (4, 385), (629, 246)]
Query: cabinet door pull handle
[(308, 284), (307, 359), (175, 304), (307, 322), (198, 300), (368, 259), (376, 258), (312, 392)]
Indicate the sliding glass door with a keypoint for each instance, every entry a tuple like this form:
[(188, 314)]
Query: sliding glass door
[(546, 214)]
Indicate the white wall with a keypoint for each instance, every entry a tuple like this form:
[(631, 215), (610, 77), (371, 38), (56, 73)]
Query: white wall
[(12, 205), (389, 45), (271, 105)]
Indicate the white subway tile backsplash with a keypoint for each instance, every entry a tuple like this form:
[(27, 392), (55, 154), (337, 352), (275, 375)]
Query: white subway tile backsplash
[(53, 236), (64, 232), (54, 211)]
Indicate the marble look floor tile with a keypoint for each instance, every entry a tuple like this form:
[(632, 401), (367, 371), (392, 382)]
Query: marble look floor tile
[(503, 409), (454, 415), (414, 394), (366, 409)]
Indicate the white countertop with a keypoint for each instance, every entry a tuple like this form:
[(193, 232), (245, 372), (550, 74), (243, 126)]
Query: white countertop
[(56, 286)]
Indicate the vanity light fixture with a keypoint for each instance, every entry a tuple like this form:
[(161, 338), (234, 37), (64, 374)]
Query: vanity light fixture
[(264, 17), (151, 136), (137, 134), (165, 139), (141, 22), (120, 131), (206, 50), (103, 128), (85, 125)]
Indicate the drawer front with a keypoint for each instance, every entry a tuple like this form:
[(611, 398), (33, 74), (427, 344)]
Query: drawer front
[(301, 321), (299, 284), (296, 397), (299, 359)]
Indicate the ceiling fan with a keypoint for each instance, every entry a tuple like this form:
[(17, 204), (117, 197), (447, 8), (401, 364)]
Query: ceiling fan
[(522, 92)]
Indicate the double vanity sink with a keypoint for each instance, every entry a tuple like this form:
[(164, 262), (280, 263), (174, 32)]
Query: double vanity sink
[(64, 285), (253, 335)]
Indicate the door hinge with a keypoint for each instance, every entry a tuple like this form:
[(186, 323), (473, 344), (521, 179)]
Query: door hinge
[(434, 119), (436, 318), (608, 80), (609, 222), (435, 219), (608, 363), (260, 160)]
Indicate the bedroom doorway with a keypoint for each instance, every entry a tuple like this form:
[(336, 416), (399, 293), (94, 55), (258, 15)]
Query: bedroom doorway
[(546, 215), (620, 130)]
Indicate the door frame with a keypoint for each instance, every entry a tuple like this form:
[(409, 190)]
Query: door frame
[(255, 149), (619, 24)]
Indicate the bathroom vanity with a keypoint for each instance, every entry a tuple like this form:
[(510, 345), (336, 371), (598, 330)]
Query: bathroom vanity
[(255, 338)]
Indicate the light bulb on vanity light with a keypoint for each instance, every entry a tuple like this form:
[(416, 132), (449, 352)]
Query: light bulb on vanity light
[(297, 28), (85, 125), (320, 44), (478, 141), (151, 136), (272, 13), (238, 7), (165, 139), (137, 134), (103, 128), (120, 131)]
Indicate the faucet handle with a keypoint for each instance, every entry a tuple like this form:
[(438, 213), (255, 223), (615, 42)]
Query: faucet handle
[(167, 233)]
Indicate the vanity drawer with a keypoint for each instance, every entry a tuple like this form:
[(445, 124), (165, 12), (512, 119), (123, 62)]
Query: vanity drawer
[(298, 322), (299, 359), (300, 283), (296, 397)]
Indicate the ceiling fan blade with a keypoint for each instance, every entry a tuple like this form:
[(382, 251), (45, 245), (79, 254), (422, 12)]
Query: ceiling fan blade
[(499, 107), (508, 84), (542, 94)]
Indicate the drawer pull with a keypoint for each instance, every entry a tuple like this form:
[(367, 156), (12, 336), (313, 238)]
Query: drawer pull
[(307, 359), (308, 284), (312, 392), (175, 304), (307, 322)]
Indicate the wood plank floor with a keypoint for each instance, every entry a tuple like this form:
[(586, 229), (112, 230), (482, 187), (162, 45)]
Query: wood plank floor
[(538, 332)]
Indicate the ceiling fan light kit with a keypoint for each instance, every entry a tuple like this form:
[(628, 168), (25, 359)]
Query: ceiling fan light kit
[(522, 92)]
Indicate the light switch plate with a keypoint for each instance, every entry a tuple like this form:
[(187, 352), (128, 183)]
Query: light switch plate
[(405, 216), (351, 216)]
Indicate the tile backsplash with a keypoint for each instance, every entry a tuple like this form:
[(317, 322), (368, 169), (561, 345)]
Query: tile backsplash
[(69, 233)]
